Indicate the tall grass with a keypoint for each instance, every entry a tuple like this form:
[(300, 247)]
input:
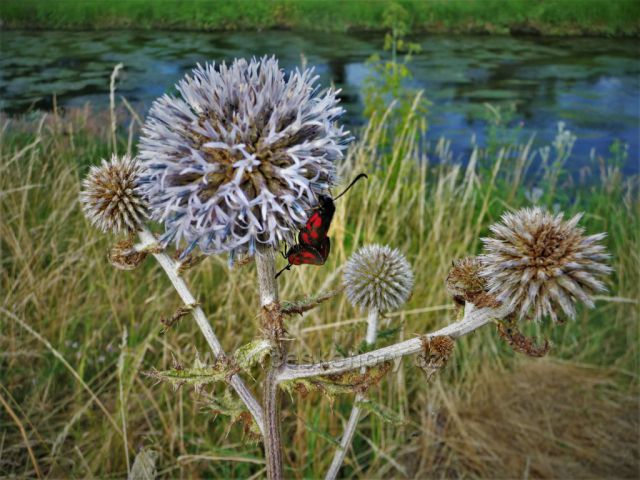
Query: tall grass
[(65, 313), (553, 17)]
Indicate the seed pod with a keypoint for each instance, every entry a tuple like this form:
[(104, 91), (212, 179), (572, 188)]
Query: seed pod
[(435, 354), (378, 278), (124, 257)]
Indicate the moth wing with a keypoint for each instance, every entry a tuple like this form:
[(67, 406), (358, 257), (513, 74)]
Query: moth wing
[(308, 234), (317, 225), (305, 255), (325, 248)]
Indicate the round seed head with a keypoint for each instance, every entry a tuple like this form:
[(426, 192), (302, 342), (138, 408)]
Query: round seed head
[(110, 197), (538, 264), (464, 277), (378, 277), (466, 284), (239, 158)]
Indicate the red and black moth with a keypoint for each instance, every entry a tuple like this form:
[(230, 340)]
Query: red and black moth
[(313, 245)]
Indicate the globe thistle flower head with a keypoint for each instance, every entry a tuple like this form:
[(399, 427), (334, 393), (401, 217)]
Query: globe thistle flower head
[(110, 197), (378, 277), (538, 264), (240, 157)]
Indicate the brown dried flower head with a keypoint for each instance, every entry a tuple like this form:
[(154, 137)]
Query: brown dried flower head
[(464, 279), (441, 346), (435, 354), (123, 256), (537, 263), (110, 197)]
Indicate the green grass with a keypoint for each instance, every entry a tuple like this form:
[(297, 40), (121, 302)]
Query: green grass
[(548, 17), (490, 414)]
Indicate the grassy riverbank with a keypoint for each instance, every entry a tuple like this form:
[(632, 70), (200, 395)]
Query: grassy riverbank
[(74, 386), (546, 17)]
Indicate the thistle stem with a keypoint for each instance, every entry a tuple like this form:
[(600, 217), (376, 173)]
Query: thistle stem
[(272, 325), (350, 429), (372, 327), (171, 269), (474, 318)]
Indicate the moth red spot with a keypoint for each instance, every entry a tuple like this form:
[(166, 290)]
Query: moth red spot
[(296, 259), (315, 221)]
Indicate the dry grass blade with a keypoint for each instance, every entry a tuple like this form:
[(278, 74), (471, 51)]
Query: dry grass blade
[(23, 432), (67, 365)]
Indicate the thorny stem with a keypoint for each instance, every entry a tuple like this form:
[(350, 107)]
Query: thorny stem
[(272, 325), (474, 318), (350, 430), (171, 269)]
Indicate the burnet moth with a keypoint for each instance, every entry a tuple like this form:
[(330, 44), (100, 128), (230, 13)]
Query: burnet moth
[(313, 245)]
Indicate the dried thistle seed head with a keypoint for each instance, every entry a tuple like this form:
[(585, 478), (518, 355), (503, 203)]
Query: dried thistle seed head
[(464, 278), (441, 346), (465, 284), (110, 197), (435, 354), (124, 257), (239, 158), (537, 263), (378, 277)]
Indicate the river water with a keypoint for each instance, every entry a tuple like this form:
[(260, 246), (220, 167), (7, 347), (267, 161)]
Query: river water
[(591, 84)]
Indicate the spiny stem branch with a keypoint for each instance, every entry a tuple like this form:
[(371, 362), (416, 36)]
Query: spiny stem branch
[(171, 269), (474, 318)]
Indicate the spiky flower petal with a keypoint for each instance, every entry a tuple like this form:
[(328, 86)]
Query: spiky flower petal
[(538, 264), (241, 156), (378, 277), (110, 197)]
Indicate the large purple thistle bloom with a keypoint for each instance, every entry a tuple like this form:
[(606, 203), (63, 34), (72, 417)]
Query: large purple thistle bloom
[(240, 157)]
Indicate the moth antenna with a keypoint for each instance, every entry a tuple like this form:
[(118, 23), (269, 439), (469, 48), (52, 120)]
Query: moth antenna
[(362, 175), (288, 267)]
